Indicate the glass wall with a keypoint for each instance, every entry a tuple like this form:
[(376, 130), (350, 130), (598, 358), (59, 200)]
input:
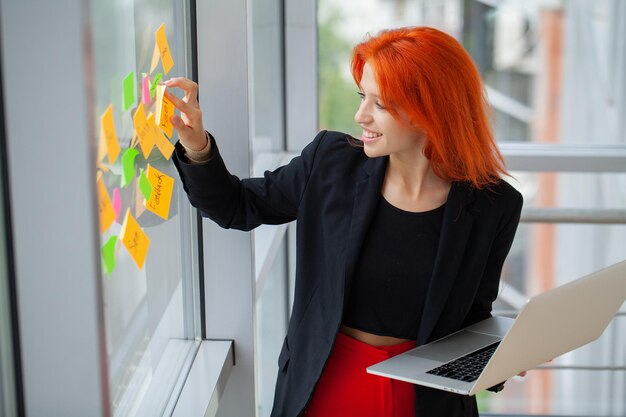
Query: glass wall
[(146, 223), (555, 74)]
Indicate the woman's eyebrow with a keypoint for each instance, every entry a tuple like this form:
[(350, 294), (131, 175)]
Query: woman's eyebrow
[(369, 94)]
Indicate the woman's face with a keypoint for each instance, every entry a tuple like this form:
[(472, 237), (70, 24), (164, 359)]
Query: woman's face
[(382, 134)]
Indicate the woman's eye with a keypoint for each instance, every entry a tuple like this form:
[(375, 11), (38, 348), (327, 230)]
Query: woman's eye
[(380, 106), (361, 96)]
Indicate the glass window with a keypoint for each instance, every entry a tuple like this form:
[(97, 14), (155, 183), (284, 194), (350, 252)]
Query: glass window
[(266, 72), (148, 300)]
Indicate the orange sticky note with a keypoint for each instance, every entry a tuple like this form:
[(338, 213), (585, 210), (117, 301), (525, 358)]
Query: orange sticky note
[(102, 147), (108, 132), (134, 239), (164, 111), (155, 58), (162, 188), (107, 214), (145, 132), (162, 143), (164, 49)]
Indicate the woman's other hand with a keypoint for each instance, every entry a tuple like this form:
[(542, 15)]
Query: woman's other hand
[(189, 125)]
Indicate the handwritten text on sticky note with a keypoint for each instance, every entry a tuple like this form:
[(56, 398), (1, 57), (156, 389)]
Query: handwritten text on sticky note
[(164, 111), (107, 214), (164, 49), (134, 239), (144, 131), (162, 188), (109, 136)]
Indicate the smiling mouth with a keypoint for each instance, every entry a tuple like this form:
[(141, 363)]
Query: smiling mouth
[(369, 136)]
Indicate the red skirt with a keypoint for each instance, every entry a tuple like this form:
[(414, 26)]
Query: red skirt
[(345, 389)]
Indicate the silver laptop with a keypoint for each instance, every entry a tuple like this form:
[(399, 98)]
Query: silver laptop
[(491, 351)]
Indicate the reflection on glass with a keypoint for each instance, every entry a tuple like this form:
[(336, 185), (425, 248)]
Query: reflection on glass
[(146, 280)]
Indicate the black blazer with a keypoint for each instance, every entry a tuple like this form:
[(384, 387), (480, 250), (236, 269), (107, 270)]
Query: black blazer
[(332, 189)]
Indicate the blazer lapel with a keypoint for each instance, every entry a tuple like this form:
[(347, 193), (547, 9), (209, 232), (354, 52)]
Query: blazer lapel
[(367, 194), (455, 231)]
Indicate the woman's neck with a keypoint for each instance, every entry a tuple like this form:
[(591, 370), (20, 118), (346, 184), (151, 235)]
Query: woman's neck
[(411, 184)]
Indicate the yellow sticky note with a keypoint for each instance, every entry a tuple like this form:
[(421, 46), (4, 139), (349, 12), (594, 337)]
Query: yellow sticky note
[(162, 188), (134, 239), (164, 111), (102, 147), (107, 214), (139, 201), (163, 144), (155, 58), (108, 133), (164, 49), (144, 131)]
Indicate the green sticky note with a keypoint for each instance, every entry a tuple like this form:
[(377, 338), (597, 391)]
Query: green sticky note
[(108, 255), (144, 185), (128, 98), (128, 165), (154, 84)]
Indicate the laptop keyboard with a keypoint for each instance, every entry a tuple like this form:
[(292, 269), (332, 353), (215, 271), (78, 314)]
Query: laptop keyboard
[(466, 368)]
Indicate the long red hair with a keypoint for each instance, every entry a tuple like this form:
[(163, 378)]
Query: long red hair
[(429, 76)]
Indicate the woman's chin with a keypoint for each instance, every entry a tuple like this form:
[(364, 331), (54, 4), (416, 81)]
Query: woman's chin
[(371, 151)]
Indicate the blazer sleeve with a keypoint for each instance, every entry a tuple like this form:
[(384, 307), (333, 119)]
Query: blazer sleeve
[(245, 204), (488, 287)]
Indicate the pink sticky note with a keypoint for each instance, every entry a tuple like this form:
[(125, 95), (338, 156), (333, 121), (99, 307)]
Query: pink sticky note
[(145, 90), (116, 201)]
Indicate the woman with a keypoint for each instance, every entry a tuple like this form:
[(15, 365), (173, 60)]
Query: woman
[(402, 233)]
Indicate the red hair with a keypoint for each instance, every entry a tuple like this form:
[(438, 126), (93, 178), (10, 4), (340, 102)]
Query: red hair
[(427, 74)]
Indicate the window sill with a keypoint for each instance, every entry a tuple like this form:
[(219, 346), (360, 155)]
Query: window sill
[(206, 381)]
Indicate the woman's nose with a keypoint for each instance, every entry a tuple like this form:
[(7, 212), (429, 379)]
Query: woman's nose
[(362, 115)]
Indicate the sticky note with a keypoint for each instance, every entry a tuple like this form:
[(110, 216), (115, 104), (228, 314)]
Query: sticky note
[(128, 165), (153, 85), (102, 147), (144, 131), (128, 95), (145, 90), (164, 111), (107, 132), (144, 185), (162, 188), (134, 239), (116, 201), (140, 202), (164, 49), (162, 143), (107, 214), (108, 255), (155, 58)]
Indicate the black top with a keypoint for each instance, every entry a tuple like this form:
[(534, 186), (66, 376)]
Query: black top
[(394, 270)]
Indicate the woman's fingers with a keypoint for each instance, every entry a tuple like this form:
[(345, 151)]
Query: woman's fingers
[(192, 111), (189, 124), (189, 87)]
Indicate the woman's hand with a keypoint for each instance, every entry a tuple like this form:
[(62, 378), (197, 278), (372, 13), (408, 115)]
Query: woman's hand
[(189, 125)]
